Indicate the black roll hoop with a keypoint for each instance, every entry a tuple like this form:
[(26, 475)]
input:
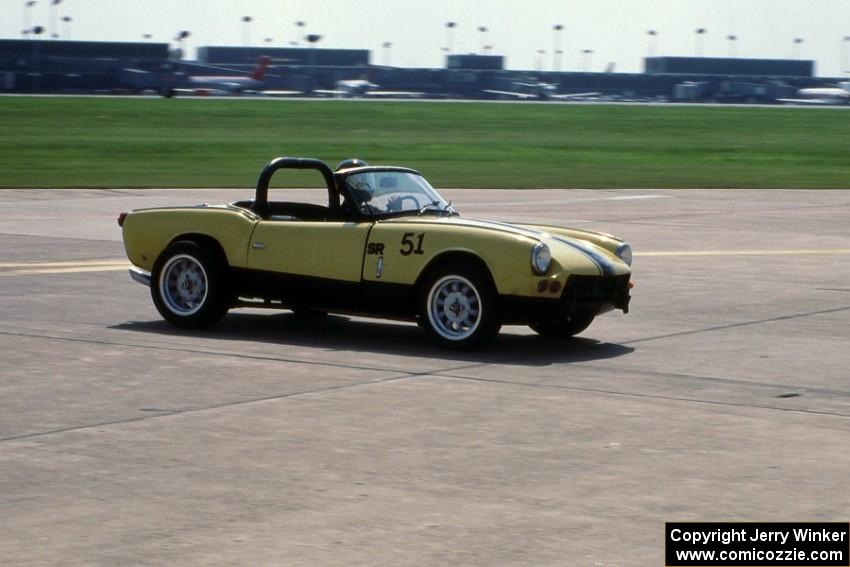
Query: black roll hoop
[(261, 200)]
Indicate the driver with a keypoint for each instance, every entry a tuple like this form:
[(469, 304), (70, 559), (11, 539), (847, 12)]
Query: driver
[(350, 163), (347, 206)]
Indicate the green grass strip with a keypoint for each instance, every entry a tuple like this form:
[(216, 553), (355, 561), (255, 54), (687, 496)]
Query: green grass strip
[(147, 142)]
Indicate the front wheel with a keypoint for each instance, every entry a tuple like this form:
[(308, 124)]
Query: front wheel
[(562, 328), (458, 307), (188, 285)]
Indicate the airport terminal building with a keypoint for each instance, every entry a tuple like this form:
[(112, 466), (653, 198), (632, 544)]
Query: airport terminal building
[(76, 67)]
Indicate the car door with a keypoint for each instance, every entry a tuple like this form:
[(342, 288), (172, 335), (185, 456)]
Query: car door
[(313, 263)]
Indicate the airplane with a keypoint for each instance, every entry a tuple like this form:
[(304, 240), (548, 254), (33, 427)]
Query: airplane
[(822, 95), (230, 84), (351, 88), (538, 91)]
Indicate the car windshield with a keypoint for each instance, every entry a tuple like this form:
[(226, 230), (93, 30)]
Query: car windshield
[(379, 193)]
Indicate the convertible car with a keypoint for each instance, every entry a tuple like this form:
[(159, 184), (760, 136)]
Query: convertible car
[(385, 245)]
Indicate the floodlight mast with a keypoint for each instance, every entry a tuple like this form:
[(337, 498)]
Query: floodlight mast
[(483, 31), (181, 37), (299, 25), (36, 59), (558, 30), (700, 32), (844, 43), (733, 40), (53, 4), (387, 45), (313, 39), (27, 29), (246, 30), (584, 62), (795, 47), (653, 41), (449, 27)]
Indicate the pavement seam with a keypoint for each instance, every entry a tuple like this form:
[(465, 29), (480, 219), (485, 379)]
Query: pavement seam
[(718, 380), (156, 414), (736, 325), (209, 352), (641, 396)]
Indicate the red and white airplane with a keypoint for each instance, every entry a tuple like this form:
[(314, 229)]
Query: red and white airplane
[(231, 84), (822, 95)]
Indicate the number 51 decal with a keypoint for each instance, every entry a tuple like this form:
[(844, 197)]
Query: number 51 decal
[(408, 246)]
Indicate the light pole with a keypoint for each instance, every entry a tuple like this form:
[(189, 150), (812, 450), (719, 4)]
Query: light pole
[(586, 59), (844, 44), (53, 26), (483, 31), (557, 31), (246, 30), (387, 45), (181, 38), (66, 27), (313, 39), (540, 54), (299, 27), (733, 40), (795, 47), (449, 27), (699, 42), (28, 17), (653, 41), (36, 59)]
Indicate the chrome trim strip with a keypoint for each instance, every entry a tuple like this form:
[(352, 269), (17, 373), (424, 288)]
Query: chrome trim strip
[(140, 276)]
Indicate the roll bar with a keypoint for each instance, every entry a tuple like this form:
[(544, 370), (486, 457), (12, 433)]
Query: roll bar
[(261, 201)]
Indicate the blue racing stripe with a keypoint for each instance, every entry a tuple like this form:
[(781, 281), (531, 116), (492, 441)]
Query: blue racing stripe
[(601, 262)]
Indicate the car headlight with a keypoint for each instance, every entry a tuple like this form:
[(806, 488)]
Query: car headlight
[(541, 258), (624, 253)]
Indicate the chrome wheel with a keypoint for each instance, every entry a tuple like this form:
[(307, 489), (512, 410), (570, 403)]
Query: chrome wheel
[(454, 308), (183, 285)]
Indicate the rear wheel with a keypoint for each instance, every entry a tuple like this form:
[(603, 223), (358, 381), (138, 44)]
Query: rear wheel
[(562, 328), (188, 285), (458, 307)]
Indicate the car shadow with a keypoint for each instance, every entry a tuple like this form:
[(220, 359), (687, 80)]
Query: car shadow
[(336, 332)]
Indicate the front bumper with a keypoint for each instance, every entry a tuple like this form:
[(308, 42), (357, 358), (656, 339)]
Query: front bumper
[(140, 276), (582, 294), (596, 293)]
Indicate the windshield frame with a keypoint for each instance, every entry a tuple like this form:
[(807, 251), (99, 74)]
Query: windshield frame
[(346, 191)]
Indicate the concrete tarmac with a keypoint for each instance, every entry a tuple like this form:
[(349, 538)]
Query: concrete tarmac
[(269, 440)]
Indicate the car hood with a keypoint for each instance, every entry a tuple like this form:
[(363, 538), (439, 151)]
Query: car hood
[(596, 248)]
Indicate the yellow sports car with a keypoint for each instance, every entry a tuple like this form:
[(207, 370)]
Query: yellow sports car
[(385, 245)]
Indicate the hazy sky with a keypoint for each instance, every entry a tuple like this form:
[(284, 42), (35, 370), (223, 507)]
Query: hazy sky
[(614, 29)]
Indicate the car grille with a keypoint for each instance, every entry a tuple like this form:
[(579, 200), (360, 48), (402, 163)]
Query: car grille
[(596, 290), (598, 287)]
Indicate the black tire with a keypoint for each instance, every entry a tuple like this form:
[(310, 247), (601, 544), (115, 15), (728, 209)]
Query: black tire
[(189, 285), (562, 328), (458, 306)]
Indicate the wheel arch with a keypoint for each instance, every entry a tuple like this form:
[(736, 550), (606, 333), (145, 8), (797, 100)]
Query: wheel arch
[(204, 240), (451, 257)]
